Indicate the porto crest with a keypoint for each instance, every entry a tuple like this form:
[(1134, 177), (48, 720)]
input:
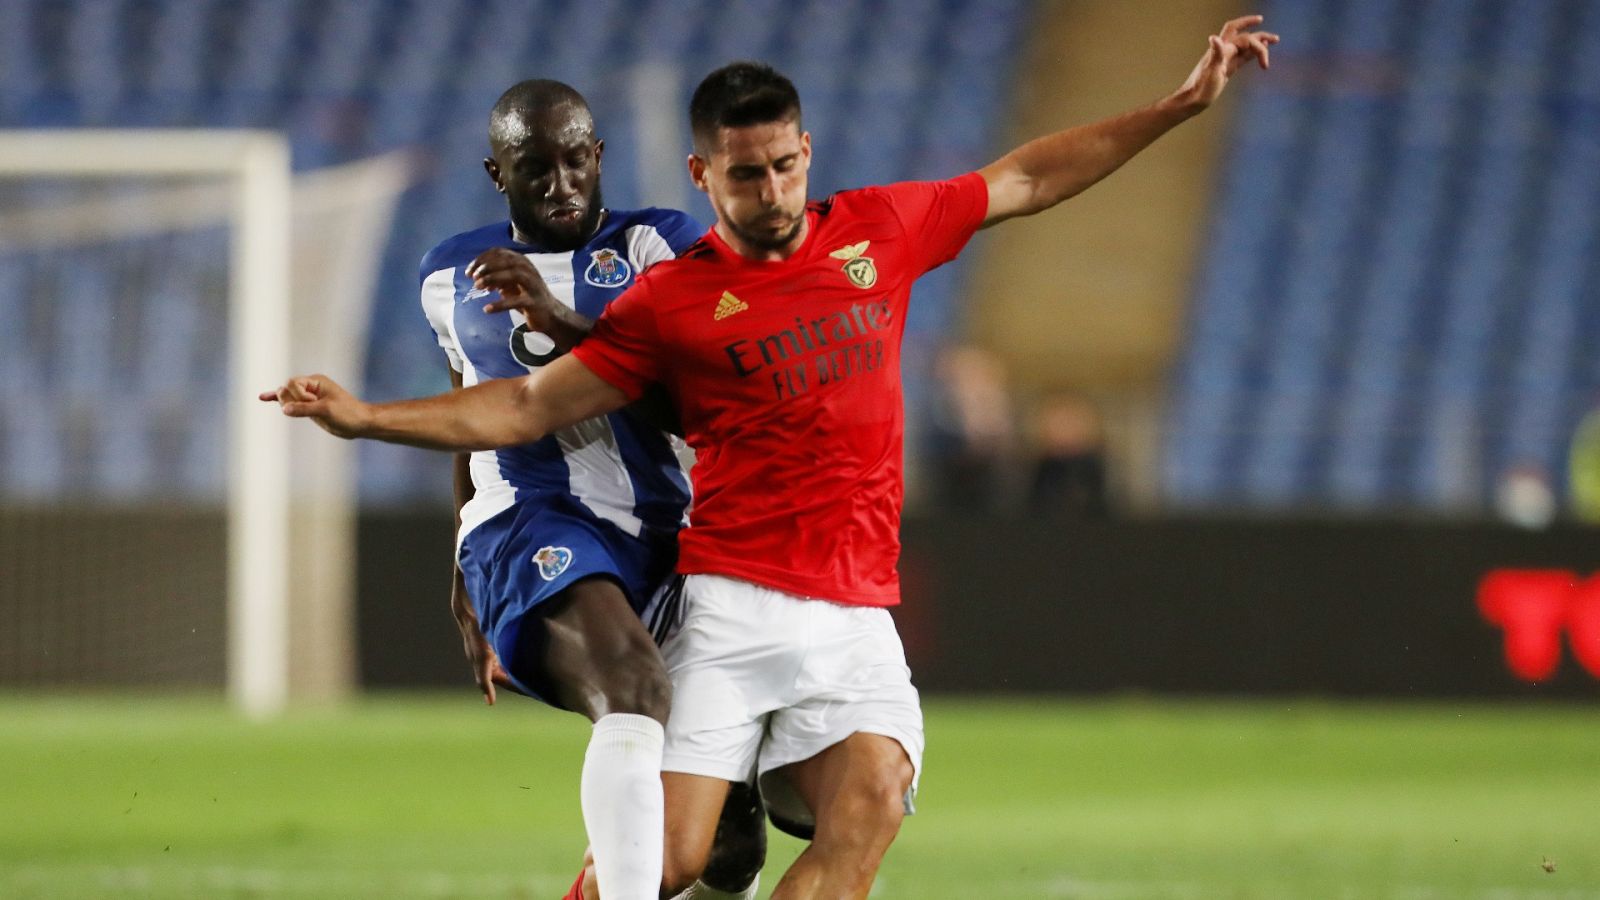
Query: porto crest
[(858, 268), (607, 269), (552, 561)]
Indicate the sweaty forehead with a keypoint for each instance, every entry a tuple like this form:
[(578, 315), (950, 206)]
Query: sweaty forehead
[(552, 129)]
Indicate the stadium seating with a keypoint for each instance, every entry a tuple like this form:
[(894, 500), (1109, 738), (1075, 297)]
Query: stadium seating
[(894, 89), (1401, 275)]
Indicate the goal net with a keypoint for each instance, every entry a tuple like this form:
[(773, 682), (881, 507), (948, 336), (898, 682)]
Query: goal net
[(151, 533)]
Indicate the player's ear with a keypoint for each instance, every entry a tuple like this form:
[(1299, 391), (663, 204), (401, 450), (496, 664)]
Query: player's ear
[(599, 151), (493, 168), (805, 148), (697, 172)]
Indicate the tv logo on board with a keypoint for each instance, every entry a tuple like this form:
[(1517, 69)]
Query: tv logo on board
[(1534, 607)]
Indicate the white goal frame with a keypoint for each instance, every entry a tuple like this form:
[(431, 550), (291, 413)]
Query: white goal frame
[(256, 165)]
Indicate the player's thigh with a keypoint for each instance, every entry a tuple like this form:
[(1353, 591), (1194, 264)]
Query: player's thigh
[(731, 665), (858, 686), (589, 652), (558, 592)]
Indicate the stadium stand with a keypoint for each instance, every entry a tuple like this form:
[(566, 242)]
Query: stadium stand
[(351, 79), (1400, 279)]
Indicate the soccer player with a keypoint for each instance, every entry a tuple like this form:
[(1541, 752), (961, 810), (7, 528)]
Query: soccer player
[(564, 540), (778, 337)]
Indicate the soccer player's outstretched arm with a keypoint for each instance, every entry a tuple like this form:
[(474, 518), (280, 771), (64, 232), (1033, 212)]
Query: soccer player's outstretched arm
[(1048, 170), (502, 412)]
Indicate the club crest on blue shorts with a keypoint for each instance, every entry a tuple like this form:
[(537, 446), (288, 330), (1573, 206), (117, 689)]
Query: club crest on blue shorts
[(552, 562)]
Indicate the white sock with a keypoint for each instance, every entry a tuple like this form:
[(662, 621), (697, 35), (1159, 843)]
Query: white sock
[(622, 805), (699, 891)]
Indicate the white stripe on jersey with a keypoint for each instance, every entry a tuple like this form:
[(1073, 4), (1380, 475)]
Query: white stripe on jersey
[(492, 494), (646, 246), (438, 304)]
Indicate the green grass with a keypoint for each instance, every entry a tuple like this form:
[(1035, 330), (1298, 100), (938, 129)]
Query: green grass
[(442, 798)]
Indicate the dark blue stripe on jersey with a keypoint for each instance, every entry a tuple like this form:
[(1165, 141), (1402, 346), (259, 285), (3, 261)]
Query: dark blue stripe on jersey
[(656, 486)]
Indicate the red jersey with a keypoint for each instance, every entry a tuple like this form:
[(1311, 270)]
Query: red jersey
[(786, 376)]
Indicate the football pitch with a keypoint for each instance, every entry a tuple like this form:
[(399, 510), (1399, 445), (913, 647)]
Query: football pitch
[(434, 797)]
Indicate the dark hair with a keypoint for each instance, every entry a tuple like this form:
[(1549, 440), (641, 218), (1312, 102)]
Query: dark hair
[(739, 94)]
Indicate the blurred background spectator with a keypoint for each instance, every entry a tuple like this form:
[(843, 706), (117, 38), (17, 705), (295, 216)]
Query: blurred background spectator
[(1524, 498), (970, 444), (1068, 477)]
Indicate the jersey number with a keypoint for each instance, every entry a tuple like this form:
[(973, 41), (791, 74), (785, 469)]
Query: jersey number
[(532, 348)]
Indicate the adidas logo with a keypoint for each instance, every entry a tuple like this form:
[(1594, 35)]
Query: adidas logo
[(728, 305)]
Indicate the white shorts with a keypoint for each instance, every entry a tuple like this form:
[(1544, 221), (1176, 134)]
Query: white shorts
[(761, 679)]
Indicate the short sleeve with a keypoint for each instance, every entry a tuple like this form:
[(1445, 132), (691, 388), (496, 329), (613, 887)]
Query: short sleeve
[(680, 230), (941, 215), (668, 234), (438, 304), (624, 348)]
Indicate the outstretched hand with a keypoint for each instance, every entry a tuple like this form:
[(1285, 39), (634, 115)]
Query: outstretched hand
[(1229, 49), (321, 399)]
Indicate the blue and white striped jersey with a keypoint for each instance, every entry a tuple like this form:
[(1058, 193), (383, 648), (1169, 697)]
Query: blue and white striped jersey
[(617, 467)]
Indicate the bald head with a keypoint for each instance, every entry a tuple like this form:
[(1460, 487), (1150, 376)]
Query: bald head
[(537, 105), (544, 157)]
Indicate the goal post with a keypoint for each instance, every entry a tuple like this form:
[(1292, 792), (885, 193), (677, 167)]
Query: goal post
[(258, 510), (256, 166)]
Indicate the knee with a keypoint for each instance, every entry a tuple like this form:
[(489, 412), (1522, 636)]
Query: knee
[(877, 797), (885, 794)]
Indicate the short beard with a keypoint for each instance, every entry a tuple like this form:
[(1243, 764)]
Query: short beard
[(561, 241), (766, 242)]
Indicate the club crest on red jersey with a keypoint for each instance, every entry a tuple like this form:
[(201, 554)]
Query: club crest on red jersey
[(552, 561), (861, 271), (607, 269)]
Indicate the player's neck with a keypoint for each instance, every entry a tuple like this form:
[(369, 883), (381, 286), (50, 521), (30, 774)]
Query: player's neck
[(756, 253)]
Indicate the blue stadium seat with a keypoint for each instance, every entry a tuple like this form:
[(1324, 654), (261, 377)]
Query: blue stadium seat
[(1390, 315), (19, 65)]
